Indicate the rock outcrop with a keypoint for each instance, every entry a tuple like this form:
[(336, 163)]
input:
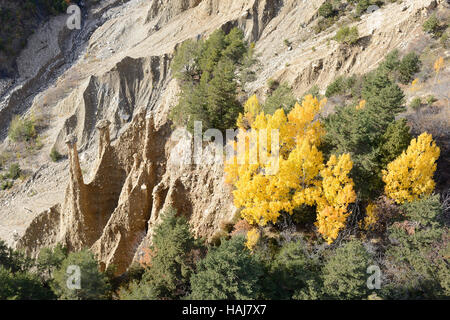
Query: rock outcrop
[(116, 212)]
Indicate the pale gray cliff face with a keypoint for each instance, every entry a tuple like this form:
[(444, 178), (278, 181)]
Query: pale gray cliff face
[(119, 177)]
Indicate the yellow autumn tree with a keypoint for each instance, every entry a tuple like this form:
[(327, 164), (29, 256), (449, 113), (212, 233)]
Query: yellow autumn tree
[(337, 194), (415, 85), (261, 195), (361, 105), (438, 65), (301, 178), (411, 175), (251, 109), (371, 217), (253, 236)]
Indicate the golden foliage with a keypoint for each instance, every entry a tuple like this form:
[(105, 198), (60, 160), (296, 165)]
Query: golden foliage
[(330, 221), (337, 194), (252, 238), (438, 64), (301, 179), (362, 105), (415, 85), (261, 195), (411, 174), (371, 216), (251, 109)]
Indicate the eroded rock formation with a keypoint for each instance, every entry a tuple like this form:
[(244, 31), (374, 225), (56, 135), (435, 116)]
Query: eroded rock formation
[(116, 212)]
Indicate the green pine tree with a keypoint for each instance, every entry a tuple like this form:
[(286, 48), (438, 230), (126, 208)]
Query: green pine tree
[(94, 284), (228, 272)]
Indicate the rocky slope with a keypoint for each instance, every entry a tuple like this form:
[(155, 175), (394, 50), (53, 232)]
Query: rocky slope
[(106, 91)]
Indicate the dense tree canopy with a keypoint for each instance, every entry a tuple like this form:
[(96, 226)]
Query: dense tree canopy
[(172, 261), (208, 72), (370, 134), (94, 284), (228, 272), (344, 273)]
